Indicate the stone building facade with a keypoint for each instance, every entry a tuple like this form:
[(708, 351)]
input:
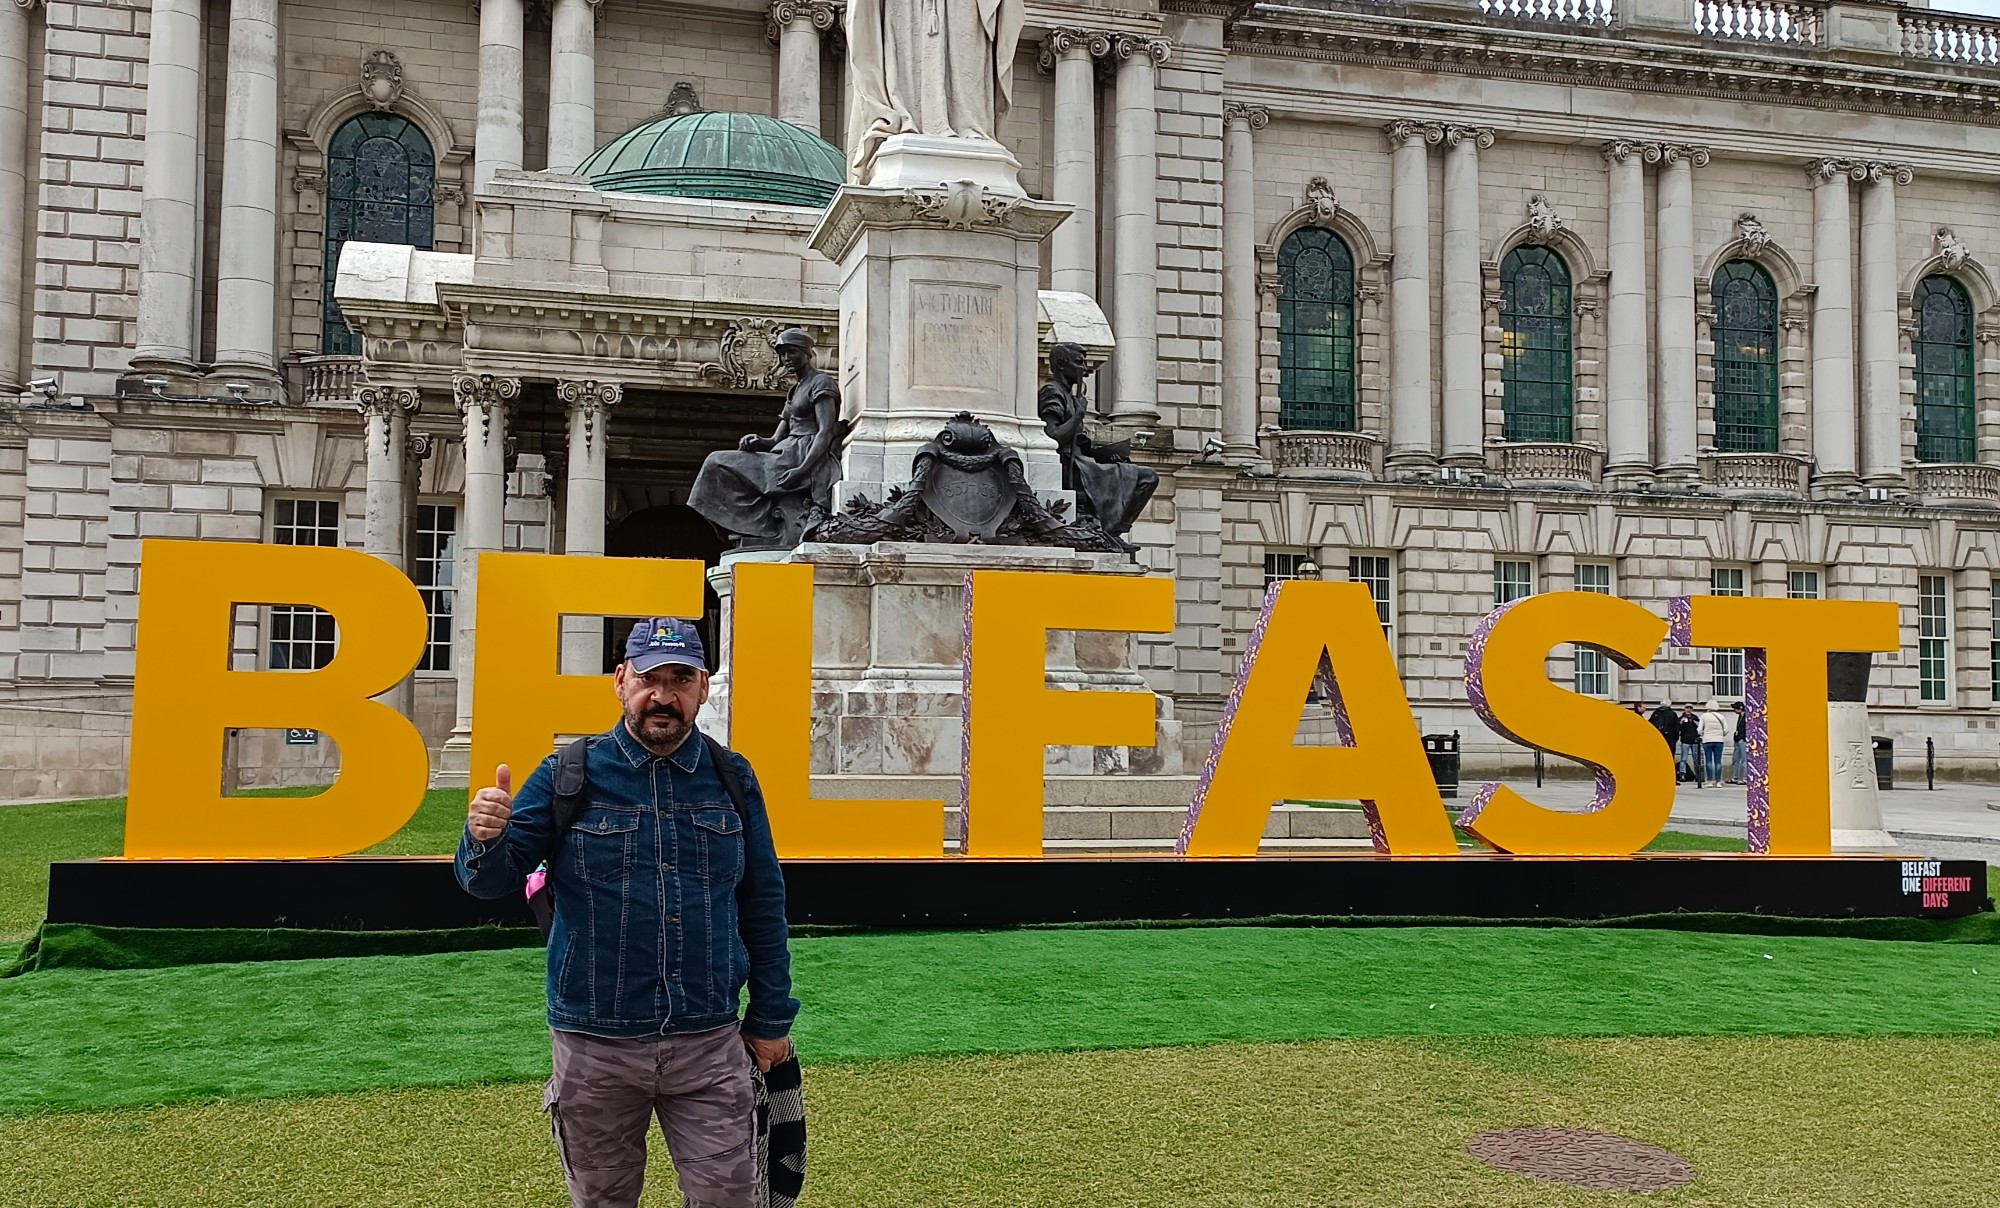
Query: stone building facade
[(1465, 299)]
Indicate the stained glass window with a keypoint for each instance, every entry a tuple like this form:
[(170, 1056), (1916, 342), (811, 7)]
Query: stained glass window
[(1945, 408), (1315, 332), (1535, 344), (1746, 358), (380, 174)]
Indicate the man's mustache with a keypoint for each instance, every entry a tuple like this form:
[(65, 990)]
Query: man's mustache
[(672, 711)]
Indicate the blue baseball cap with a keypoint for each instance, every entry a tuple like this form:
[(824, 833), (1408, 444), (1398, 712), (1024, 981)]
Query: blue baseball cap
[(657, 641)]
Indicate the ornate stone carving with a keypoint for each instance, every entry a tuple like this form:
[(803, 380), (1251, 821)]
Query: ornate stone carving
[(1668, 154), (1752, 235), (308, 180), (590, 397), (1617, 151), (385, 401), (1952, 252), (1321, 201), (1480, 137), (1543, 221), (960, 204), (823, 14), (1255, 116), (484, 392), (1883, 173), (1794, 322), (448, 193), (965, 488), (1826, 171), (382, 78), (748, 355), (1126, 46), (420, 446), (1400, 133), (1064, 39), (682, 98)]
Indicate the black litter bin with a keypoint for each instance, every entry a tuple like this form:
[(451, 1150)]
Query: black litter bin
[(1885, 763), (1442, 751)]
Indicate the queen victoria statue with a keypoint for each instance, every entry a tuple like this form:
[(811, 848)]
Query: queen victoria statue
[(934, 68)]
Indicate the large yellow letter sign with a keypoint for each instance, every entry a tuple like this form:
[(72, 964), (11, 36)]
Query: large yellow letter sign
[(1254, 761), (520, 699), (770, 724), (1010, 716), (1785, 644), (1506, 681), (185, 697)]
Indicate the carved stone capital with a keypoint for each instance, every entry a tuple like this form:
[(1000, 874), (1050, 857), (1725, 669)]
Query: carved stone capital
[(1670, 154), (1827, 171), (1129, 46), (308, 180), (1255, 116), (590, 399), (1070, 39), (385, 403), (1480, 137), (1879, 173), (824, 15), (1620, 151), (1403, 133), (420, 446), (483, 392)]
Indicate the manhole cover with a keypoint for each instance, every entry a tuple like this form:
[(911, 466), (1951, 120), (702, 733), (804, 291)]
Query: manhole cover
[(1580, 1157)]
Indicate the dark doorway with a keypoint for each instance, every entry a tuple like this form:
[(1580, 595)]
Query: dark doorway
[(669, 531)]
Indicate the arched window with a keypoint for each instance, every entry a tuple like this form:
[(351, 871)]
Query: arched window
[(1315, 331), (1535, 345), (1945, 407), (379, 178), (1746, 358)]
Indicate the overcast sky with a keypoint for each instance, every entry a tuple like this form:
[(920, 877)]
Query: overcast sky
[(1985, 8)]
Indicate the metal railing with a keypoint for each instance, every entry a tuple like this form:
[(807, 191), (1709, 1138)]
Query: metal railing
[(1770, 22), (1951, 38), (1555, 12)]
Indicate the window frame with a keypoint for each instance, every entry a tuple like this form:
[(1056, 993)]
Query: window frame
[(1961, 444), (1725, 666), (1339, 339), (337, 223), (1554, 422), (427, 665), (1298, 557), (1499, 579), (1589, 660), (267, 615), (1385, 600), (1795, 588), (1737, 428), (1934, 639)]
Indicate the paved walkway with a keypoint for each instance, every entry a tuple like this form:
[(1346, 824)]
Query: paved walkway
[(1954, 821)]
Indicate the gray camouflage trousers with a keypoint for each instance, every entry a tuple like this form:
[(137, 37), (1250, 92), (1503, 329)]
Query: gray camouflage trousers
[(605, 1093)]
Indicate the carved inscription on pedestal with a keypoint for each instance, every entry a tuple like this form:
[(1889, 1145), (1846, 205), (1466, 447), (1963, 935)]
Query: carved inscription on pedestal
[(958, 334)]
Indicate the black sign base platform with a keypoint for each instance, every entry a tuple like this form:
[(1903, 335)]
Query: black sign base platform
[(383, 894)]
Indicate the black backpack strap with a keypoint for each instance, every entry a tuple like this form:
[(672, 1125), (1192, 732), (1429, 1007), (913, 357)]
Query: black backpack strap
[(572, 783), (725, 770)]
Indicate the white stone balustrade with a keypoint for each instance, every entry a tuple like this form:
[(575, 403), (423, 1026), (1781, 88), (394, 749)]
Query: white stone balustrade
[(1774, 22)]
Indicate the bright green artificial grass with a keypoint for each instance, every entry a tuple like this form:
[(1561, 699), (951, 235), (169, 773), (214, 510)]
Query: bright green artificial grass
[(1832, 1123), (80, 1039)]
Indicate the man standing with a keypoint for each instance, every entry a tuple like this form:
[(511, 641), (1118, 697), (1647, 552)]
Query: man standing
[(668, 899), (1737, 770), (1690, 735)]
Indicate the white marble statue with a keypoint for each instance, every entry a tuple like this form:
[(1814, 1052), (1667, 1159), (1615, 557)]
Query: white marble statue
[(942, 68)]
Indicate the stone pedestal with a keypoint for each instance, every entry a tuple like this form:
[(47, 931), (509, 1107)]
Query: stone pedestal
[(938, 315), (889, 650), (1854, 802)]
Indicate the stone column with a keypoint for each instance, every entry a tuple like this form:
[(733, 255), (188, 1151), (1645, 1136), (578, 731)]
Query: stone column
[(14, 37), (796, 26), (386, 412), (483, 400), (1135, 316), (1072, 55), (1628, 425), (1881, 369), (1240, 304), (1412, 441), (1833, 416), (169, 232), (572, 83), (1464, 360), (1674, 412), (588, 404), (500, 133), (246, 337)]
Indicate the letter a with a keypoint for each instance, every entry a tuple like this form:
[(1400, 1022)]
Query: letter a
[(185, 698), (1254, 762)]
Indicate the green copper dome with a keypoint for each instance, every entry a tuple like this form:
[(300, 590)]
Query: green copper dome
[(729, 156)]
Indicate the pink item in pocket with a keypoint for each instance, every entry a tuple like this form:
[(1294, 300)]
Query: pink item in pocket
[(536, 880)]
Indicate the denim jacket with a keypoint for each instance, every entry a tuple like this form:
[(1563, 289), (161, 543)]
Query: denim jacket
[(666, 900)]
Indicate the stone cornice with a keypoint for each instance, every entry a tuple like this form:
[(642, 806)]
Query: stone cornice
[(1629, 63)]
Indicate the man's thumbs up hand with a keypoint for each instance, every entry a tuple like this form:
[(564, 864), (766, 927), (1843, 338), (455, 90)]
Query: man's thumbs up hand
[(486, 816)]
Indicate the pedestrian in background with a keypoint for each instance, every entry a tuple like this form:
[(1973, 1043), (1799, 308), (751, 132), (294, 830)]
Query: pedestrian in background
[(1740, 755), (1690, 738), (1715, 730)]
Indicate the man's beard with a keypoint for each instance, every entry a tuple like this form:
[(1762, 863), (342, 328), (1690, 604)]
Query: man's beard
[(660, 728)]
